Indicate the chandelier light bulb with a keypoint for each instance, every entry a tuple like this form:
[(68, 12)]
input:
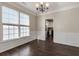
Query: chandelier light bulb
[(47, 5), (37, 5)]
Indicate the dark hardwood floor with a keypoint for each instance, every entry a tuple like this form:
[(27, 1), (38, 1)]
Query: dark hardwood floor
[(42, 48)]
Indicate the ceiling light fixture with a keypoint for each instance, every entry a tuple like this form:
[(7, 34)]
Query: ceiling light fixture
[(42, 7)]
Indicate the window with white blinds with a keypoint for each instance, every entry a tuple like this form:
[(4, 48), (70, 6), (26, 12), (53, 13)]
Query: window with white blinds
[(15, 24)]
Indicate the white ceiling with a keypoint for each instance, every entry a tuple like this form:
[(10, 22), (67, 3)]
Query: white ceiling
[(53, 5)]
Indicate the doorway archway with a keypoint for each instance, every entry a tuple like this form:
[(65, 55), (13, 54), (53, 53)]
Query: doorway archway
[(49, 29)]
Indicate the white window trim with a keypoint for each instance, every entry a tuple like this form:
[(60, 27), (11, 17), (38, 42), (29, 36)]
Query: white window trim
[(19, 25)]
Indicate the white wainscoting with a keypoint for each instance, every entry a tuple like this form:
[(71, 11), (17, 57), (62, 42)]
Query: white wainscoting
[(41, 35), (67, 38), (9, 44)]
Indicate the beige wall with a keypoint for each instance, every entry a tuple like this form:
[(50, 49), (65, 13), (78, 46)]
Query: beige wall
[(66, 26), (66, 21)]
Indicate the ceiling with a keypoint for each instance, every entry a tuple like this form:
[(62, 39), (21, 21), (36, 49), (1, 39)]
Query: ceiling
[(53, 5)]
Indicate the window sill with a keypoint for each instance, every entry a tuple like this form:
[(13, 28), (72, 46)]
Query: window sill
[(13, 39)]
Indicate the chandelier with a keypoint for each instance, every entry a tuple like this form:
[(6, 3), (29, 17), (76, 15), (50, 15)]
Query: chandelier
[(42, 7)]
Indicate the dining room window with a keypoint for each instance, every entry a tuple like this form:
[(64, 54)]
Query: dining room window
[(15, 24)]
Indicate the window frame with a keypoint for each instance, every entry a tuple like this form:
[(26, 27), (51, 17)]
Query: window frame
[(18, 25), (23, 25)]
